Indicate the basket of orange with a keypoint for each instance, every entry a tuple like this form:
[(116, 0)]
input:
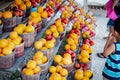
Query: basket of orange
[(31, 71), (58, 73), (41, 61), (65, 61), (17, 42), (9, 21), (7, 54), (46, 45), (1, 26)]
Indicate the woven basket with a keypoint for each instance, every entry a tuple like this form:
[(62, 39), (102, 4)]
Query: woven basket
[(18, 20), (7, 61), (38, 27), (1, 28)]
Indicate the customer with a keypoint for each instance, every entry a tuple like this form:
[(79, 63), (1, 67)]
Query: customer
[(111, 69), (110, 24)]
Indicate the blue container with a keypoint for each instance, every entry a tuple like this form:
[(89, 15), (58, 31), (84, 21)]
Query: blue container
[(34, 9)]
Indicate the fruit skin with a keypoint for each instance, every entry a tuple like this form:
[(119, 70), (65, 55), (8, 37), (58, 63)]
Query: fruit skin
[(63, 72), (29, 72), (31, 64), (77, 65), (52, 69), (7, 14), (38, 44), (3, 43), (48, 37), (78, 75)]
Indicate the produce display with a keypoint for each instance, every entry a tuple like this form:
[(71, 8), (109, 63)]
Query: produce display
[(35, 30)]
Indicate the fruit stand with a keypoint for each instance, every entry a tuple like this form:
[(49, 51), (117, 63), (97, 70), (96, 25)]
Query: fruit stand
[(52, 31)]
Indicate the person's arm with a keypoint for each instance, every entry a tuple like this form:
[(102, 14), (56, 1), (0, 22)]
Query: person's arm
[(115, 2)]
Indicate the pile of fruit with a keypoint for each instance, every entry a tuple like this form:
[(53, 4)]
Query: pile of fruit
[(57, 73)]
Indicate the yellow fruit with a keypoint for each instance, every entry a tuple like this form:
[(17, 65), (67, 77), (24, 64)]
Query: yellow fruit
[(22, 7), (66, 55), (36, 70), (29, 72), (48, 31), (53, 28), (31, 64), (18, 2), (44, 59), (67, 61), (55, 34), (76, 41), (63, 78), (29, 29), (73, 47), (87, 73), (24, 70), (78, 74), (11, 45), (0, 21), (13, 35), (22, 26), (58, 68), (7, 50), (19, 30), (57, 58), (2, 55), (1, 14), (84, 60), (79, 56), (40, 9), (67, 47), (90, 50), (85, 46), (49, 44), (28, 3), (0, 50), (20, 38), (38, 44), (44, 48), (3, 43), (34, 14), (16, 41), (85, 78), (38, 61), (58, 23), (44, 14), (84, 53), (70, 41), (55, 76), (73, 35), (63, 72), (43, 41), (52, 69), (38, 55), (60, 28)]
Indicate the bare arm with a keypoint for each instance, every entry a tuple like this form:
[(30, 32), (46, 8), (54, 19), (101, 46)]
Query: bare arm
[(114, 3)]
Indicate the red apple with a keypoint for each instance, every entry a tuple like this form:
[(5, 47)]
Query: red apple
[(48, 37), (71, 31), (64, 20), (34, 4), (69, 52), (77, 65), (38, 1), (63, 53), (73, 55), (21, 13), (85, 41), (91, 43)]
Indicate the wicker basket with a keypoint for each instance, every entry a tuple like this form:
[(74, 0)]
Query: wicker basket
[(7, 61), (18, 20), (48, 53), (29, 38), (38, 27), (19, 50), (34, 77), (44, 21)]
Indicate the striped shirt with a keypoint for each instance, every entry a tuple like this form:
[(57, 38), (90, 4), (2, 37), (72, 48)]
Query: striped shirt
[(111, 70)]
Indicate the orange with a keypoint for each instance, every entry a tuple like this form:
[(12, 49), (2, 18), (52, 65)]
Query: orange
[(16, 41), (19, 30), (79, 56), (18, 2), (63, 78), (22, 7), (58, 23), (84, 53), (57, 58), (43, 41), (0, 50), (40, 9), (78, 75), (73, 35), (11, 45), (7, 50), (38, 55), (0, 21), (48, 31), (85, 78), (28, 3), (2, 55), (85, 46), (24, 70), (67, 47), (90, 50), (3, 43), (73, 47), (36, 70), (60, 28), (70, 41), (52, 69), (84, 60), (34, 14), (1, 14), (31, 64), (38, 61), (53, 28), (49, 44), (7, 14), (44, 14), (29, 72), (38, 44), (13, 35), (63, 72), (44, 59), (58, 68), (87, 73)]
